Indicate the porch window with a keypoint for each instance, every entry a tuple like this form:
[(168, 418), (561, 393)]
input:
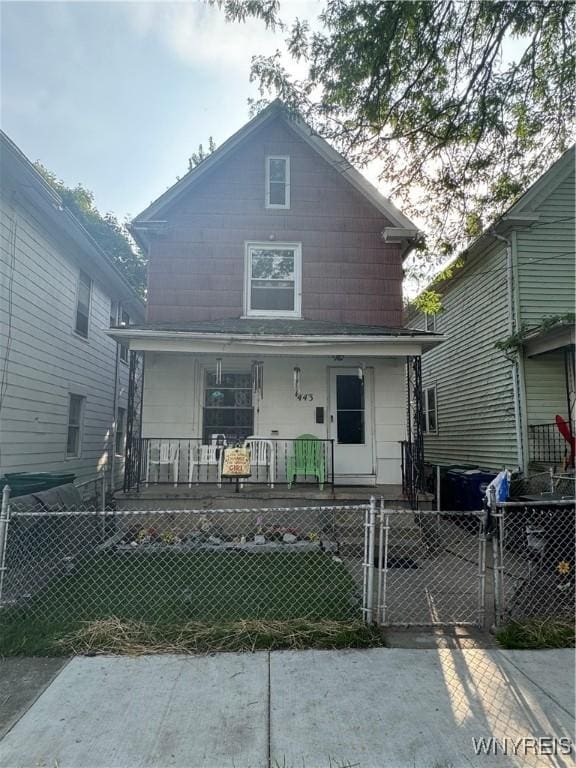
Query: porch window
[(273, 280), (430, 411), (75, 410), (228, 407), (278, 182), (120, 429)]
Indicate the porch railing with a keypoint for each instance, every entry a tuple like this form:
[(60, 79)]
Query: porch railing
[(189, 461), (546, 444)]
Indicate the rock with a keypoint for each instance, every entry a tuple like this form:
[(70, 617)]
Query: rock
[(214, 540), (259, 538), (289, 538)]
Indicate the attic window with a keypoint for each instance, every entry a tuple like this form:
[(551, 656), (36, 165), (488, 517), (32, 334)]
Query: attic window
[(430, 322), (278, 182)]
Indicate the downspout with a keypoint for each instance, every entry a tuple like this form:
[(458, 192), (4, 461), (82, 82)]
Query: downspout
[(114, 420), (512, 327)]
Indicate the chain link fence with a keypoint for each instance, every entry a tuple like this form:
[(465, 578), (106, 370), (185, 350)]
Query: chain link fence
[(430, 568), (535, 560), (69, 566)]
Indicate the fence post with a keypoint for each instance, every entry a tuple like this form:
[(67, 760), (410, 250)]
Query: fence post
[(369, 525), (384, 604), (482, 572), (380, 559), (4, 522), (438, 504), (496, 564)]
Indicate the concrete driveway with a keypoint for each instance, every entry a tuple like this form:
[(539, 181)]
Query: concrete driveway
[(378, 708)]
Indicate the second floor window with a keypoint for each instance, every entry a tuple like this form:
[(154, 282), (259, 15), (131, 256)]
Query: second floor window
[(430, 322), (273, 280), (83, 305), (277, 182)]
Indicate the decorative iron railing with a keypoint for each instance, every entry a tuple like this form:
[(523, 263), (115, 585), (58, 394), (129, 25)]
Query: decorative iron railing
[(546, 444), (189, 461)]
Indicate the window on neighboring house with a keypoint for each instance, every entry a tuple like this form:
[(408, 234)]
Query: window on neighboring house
[(120, 431), (277, 182), (124, 348), (83, 304), (273, 280), (430, 410), (75, 412), (430, 322)]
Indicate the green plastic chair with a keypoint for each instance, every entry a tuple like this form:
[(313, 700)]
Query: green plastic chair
[(307, 459)]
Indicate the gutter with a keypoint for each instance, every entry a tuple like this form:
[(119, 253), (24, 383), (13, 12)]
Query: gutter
[(122, 333)]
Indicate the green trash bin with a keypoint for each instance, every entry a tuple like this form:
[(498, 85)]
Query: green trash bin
[(22, 483)]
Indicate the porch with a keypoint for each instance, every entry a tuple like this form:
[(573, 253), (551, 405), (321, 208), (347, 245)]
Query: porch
[(320, 406)]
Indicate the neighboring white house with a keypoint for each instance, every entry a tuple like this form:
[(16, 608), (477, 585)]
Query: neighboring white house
[(63, 380)]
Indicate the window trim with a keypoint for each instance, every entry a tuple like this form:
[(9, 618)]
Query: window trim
[(272, 245), (80, 425), (426, 410), (267, 203), (90, 289)]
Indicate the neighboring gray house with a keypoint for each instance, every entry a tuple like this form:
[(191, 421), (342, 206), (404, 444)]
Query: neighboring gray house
[(63, 381), (496, 407)]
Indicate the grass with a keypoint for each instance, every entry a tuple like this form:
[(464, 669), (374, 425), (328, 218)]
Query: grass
[(537, 633), (190, 602)]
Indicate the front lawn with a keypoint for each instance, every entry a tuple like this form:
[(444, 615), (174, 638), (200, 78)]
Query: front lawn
[(173, 595)]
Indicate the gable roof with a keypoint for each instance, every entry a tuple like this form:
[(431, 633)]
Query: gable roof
[(521, 213), (34, 187), (277, 109)]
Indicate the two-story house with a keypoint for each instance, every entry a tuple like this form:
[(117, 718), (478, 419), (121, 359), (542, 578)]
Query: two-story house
[(63, 380), (274, 312), (506, 370)]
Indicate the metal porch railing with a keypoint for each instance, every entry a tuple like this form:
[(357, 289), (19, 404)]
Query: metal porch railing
[(189, 462)]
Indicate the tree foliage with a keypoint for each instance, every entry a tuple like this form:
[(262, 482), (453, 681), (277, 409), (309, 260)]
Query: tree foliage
[(197, 157), (462, 104), (111, 235)]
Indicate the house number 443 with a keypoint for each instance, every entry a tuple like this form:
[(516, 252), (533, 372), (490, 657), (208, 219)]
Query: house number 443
[(305, 397)]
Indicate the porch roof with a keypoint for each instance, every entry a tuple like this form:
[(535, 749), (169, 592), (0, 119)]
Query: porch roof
[(277, 333)]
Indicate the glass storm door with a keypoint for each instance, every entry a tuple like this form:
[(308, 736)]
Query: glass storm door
[(351, 422)]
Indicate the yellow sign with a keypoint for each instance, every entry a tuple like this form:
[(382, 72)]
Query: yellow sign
[(236, 462)]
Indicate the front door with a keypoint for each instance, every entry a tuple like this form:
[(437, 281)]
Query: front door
[(351, 424)]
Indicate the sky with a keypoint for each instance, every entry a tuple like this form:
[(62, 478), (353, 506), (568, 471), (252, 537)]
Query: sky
[(117, 95)]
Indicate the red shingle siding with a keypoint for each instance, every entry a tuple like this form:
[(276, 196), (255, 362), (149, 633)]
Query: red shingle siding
[(196, 269)]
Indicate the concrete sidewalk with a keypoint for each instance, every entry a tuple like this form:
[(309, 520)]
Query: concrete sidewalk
[(378, 708)]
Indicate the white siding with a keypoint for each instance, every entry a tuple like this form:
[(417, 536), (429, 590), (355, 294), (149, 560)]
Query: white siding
[(173, 395), (476, 423), (47, 360)]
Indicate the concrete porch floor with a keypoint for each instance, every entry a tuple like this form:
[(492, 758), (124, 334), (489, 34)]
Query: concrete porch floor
[(208, 495)]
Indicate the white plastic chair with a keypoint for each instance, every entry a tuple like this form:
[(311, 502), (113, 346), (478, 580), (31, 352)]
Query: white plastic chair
[(262, 455), (205, 455), (163, 452)]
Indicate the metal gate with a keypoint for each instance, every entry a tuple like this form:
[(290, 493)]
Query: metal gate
[(424, 568)]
